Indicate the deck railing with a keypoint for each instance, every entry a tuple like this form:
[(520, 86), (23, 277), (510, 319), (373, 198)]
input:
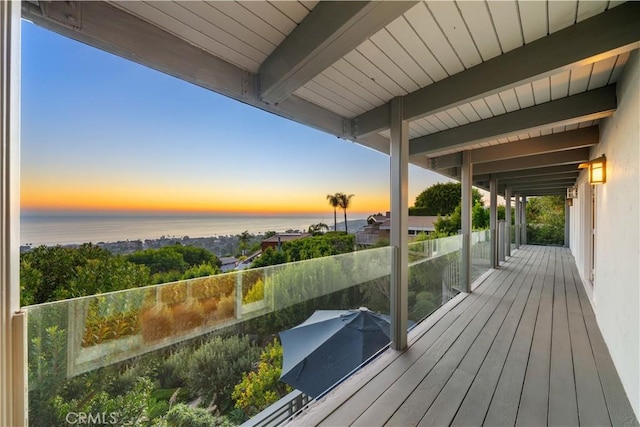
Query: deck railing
[(71, 337), (100, 330), (281, 411)]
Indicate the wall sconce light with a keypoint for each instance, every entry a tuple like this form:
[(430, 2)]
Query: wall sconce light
[(597, 170)]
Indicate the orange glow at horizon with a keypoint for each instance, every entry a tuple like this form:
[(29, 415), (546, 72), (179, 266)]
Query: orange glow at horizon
[(107, 198)]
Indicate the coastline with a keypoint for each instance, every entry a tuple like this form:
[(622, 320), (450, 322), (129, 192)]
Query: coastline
[(64, 229), (220, 245)]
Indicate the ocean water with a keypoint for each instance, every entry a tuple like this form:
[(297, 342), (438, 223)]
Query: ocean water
[(60, 229)]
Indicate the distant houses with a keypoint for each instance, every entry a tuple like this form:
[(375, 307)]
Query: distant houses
[(379, 228), (277, 240), (228, 263)]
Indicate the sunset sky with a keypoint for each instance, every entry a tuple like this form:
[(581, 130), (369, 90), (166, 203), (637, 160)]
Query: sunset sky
[(103, 134)]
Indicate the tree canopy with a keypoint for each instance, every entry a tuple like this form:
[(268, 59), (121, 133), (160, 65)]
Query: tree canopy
[(171, 263), (327, 244), (545, 220), (442, 199), (50, 273)]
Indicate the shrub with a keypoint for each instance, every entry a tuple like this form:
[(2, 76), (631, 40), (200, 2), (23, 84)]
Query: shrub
[(213, 368), (261, 388), (182, 415), (129, 408)]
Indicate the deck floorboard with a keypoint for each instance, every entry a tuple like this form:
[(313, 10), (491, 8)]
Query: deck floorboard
[(523, 348)]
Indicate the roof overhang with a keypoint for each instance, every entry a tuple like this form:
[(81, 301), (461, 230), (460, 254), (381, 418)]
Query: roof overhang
[(522, 92)]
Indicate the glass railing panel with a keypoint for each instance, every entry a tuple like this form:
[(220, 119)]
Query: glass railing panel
[(79, 348), (434, 275), (480, 253)]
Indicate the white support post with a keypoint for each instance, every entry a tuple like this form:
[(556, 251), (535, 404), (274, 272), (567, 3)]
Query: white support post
[(567, 223), (493, 220), (523, 221), (518, 218), (467, 178), (501, 240), (507, 217), (399, 224), (12, 326)]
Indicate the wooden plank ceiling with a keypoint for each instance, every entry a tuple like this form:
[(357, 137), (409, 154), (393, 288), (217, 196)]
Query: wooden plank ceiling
[(337, 66)]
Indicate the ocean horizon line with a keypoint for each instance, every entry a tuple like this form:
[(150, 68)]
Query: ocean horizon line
[(101, 214), (77, 229)]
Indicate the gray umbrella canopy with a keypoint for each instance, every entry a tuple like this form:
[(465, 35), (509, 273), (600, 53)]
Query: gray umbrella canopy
[(328, 345)]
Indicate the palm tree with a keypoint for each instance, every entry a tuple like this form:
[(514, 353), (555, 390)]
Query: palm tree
[(334, 200), (244, 238), (318, 228), (344, 204)]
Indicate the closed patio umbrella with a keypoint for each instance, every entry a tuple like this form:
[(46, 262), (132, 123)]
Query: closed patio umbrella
[(328, 345)]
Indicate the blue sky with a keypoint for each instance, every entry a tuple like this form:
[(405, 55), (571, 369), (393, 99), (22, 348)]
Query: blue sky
[(100, 133)]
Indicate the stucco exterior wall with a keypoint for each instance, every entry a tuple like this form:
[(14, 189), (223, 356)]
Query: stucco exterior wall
[(615, 289)]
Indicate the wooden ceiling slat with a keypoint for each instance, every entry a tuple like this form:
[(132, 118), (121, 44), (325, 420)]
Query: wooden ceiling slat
[(342, 92), (457, 115), (353, 73), (417, 126), (362, 63), (335, 94), (601, 73), (478, 20), (447, 120), (426, 27), (230, 25), (245, 17), (234, 40), (340, 78), (396, 52), (309, 4), (407, 37), (427, 125), (562, 14), (495, 104), (469, 112), (534, 21), (509, 100), (579, 80), (312, 96), (293, 9), (587, 9), (560, 84), (507, 23), (271, 14), (387, 66), (437, 123), (413, 133), (180, 29), (541, 90), (481, 108), (620, 63), (525, 95), (455, 30)]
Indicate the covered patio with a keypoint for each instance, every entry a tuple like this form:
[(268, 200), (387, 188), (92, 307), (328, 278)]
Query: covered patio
[(522, 349), (510, 96)]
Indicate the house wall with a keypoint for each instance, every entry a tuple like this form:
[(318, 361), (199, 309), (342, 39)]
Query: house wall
[(615, 289)]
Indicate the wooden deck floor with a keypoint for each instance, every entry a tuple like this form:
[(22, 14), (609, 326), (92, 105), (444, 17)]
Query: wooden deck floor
[(522, 349)]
